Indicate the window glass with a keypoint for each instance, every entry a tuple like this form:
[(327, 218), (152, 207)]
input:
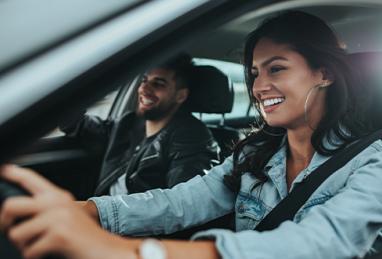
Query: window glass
[(103, 106), (101, 109)]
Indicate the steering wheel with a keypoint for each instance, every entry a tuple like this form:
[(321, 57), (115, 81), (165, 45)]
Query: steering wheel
[(7, 189)]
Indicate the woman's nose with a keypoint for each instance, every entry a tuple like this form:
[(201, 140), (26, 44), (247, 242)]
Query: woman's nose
[(261, 84)]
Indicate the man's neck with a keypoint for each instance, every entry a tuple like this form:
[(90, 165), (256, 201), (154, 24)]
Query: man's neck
[(154, 126)]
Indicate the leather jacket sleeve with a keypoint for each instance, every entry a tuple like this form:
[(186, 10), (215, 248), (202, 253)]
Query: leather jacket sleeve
[(192, 151), (87, 125), (91, 131)]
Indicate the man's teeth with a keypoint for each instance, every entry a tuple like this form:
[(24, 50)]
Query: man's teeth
[(273, 101), (146, 101)]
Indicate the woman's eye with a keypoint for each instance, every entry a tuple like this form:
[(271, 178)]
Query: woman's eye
[(254, 75), (276, 69)]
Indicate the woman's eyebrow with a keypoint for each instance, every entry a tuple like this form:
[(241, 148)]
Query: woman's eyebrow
[(270, 60)]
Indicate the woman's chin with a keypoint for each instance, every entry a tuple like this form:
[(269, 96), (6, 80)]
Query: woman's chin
[(275, 123)]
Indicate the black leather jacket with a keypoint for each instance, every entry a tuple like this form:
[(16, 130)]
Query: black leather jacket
[(182, 149)]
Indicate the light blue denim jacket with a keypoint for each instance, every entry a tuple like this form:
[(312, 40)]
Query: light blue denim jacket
[(342, 219)]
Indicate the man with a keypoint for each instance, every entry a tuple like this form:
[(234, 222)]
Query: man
[(159, 145)]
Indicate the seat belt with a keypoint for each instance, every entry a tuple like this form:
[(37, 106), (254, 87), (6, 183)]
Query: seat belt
[(288, 207)]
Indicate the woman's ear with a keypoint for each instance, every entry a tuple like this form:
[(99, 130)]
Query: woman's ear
[(327, 78)]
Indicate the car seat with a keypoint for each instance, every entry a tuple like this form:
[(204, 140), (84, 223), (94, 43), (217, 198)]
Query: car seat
[(368, 68), (212, 93)]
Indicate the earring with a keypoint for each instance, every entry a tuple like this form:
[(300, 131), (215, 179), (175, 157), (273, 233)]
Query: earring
[(319, 86), (323, 85)]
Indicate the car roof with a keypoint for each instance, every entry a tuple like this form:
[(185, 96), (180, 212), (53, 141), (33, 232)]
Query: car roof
[(28, 27), (357, 25), (26, 32)]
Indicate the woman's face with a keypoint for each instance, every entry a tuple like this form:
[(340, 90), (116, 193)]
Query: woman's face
[(282, 83)]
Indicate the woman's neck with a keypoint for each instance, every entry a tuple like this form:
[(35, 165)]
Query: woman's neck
[(300, 153)]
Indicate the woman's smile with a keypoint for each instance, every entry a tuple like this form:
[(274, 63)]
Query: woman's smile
[(271, 104), (282, 81)]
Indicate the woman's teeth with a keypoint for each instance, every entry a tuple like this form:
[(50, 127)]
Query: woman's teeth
[(273, 101)]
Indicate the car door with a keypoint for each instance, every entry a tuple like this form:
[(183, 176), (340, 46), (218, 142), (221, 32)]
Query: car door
[(70, 160), (67, 161)]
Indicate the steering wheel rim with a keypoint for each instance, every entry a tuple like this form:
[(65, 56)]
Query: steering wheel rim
[(8, 249)]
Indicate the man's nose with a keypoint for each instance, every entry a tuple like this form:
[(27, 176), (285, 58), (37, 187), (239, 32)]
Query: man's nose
[(144, 87)]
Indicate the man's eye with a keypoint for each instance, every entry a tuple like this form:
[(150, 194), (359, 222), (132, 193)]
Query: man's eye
[(276, 69), (158, 84)]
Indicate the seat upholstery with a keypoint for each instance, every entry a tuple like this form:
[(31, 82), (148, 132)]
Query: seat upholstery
[(212, 93), (368, 67)]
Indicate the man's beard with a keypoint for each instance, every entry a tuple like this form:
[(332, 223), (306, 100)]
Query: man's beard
[(156, 113)]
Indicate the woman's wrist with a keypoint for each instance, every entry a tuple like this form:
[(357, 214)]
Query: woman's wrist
[(91, 209)]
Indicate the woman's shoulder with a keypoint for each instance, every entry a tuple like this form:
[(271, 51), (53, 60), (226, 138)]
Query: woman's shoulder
[(372, 153), (376, 146), (366, 164)]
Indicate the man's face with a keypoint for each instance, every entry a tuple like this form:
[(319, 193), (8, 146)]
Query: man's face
[(158, 96)]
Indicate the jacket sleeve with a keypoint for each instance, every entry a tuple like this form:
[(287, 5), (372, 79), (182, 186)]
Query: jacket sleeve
[(192, 151), (88, 129), (158, 211), (345, 226)]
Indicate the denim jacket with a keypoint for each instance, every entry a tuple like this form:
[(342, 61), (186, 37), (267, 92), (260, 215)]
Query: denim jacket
[(342, 218)]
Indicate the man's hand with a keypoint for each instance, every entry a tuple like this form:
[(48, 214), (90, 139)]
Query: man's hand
[(50, 222)]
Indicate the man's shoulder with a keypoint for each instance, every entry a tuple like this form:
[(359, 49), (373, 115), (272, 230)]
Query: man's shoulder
[(190, 126)]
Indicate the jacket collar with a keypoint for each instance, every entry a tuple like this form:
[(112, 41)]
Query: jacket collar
[(275, 169)]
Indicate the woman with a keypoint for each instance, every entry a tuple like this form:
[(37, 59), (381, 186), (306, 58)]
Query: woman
[(298, 77)]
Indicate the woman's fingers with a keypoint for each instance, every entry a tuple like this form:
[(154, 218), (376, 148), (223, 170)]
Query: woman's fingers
[(30, 234), (50, 231), (17, 208), (43, 246), (25, 233), (27, 179)]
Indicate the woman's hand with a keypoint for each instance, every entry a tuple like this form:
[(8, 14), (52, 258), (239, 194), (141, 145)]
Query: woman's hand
[(50, 222)]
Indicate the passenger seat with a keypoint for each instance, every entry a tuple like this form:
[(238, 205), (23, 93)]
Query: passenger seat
[(212, 93)]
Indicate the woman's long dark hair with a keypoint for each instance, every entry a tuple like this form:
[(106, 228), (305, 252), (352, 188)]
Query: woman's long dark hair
[(312, 38)]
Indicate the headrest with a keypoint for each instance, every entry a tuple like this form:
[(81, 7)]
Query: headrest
[(211, 91), (368, 66)]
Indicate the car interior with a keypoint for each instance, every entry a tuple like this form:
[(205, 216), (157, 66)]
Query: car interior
[(219, 100), (213, 93), (220, 90)]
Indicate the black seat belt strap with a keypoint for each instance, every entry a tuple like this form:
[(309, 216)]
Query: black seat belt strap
[(288, 207)]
